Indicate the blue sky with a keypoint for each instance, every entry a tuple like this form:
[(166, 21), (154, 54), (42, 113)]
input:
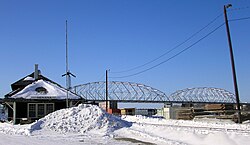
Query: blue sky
[(122, 34)]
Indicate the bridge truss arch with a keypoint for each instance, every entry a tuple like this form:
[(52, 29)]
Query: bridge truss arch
[(203, 94), (120, 91), (134, 92)]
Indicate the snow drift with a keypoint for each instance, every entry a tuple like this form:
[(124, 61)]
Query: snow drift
[(88, 124), (80, 119)]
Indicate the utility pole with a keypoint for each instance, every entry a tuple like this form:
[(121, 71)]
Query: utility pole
[(106, 90), (232, 63)]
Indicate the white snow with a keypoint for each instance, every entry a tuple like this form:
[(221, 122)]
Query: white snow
[(88, 124), (53, 91), (80, 119), (29, 79)]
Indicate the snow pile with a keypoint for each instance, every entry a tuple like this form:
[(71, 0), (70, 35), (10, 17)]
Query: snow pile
[(7, 128), (81, 119)]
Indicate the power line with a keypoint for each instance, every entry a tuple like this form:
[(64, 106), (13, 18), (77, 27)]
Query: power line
[(101, 78), (239, 19), (242, 8), (149, 62), (238, 9), (187, 48)]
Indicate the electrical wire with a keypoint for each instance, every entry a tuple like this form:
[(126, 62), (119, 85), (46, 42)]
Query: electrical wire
[(237, 9), (149, 62), (239, 19), (187, 48), (101, 78)]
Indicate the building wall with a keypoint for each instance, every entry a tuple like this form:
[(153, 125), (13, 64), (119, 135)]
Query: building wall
[(165, 112), (111, 105), (21, 110), (114, 111), (60, 105), (128, 111), (145, 112)]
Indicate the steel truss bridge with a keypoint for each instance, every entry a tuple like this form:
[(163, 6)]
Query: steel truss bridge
[(134, 92)]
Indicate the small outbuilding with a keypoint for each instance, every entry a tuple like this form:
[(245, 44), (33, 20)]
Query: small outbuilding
[(35, 96)]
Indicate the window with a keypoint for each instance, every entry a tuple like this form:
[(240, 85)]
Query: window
[(38, 110), (32, 110), (41, 90), (49, 108)]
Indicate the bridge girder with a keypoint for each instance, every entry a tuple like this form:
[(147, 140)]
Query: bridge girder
[(122, 91), (134, 92), (204, 94)]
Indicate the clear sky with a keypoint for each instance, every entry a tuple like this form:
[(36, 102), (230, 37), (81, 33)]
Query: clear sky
[(122, 34)]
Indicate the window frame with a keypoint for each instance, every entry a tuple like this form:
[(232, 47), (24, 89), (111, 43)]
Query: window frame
[(33, 110), (36, 109)]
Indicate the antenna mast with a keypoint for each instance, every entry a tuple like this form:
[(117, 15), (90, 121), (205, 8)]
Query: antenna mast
[(68, 73), (67, 64)]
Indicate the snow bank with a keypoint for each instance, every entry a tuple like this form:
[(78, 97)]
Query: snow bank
[(205, 132), (8, 128), (88, 124), (205, 123), (80, 119)]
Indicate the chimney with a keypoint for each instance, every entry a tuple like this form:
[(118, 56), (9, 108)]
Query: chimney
[(36, 72)]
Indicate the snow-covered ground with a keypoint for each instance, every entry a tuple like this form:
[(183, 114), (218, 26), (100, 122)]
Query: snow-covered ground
[(88, 124)]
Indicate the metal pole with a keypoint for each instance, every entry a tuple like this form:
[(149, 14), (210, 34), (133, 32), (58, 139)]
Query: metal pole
[(67, 75), (232, 63), (14, 113), (106, 90)]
